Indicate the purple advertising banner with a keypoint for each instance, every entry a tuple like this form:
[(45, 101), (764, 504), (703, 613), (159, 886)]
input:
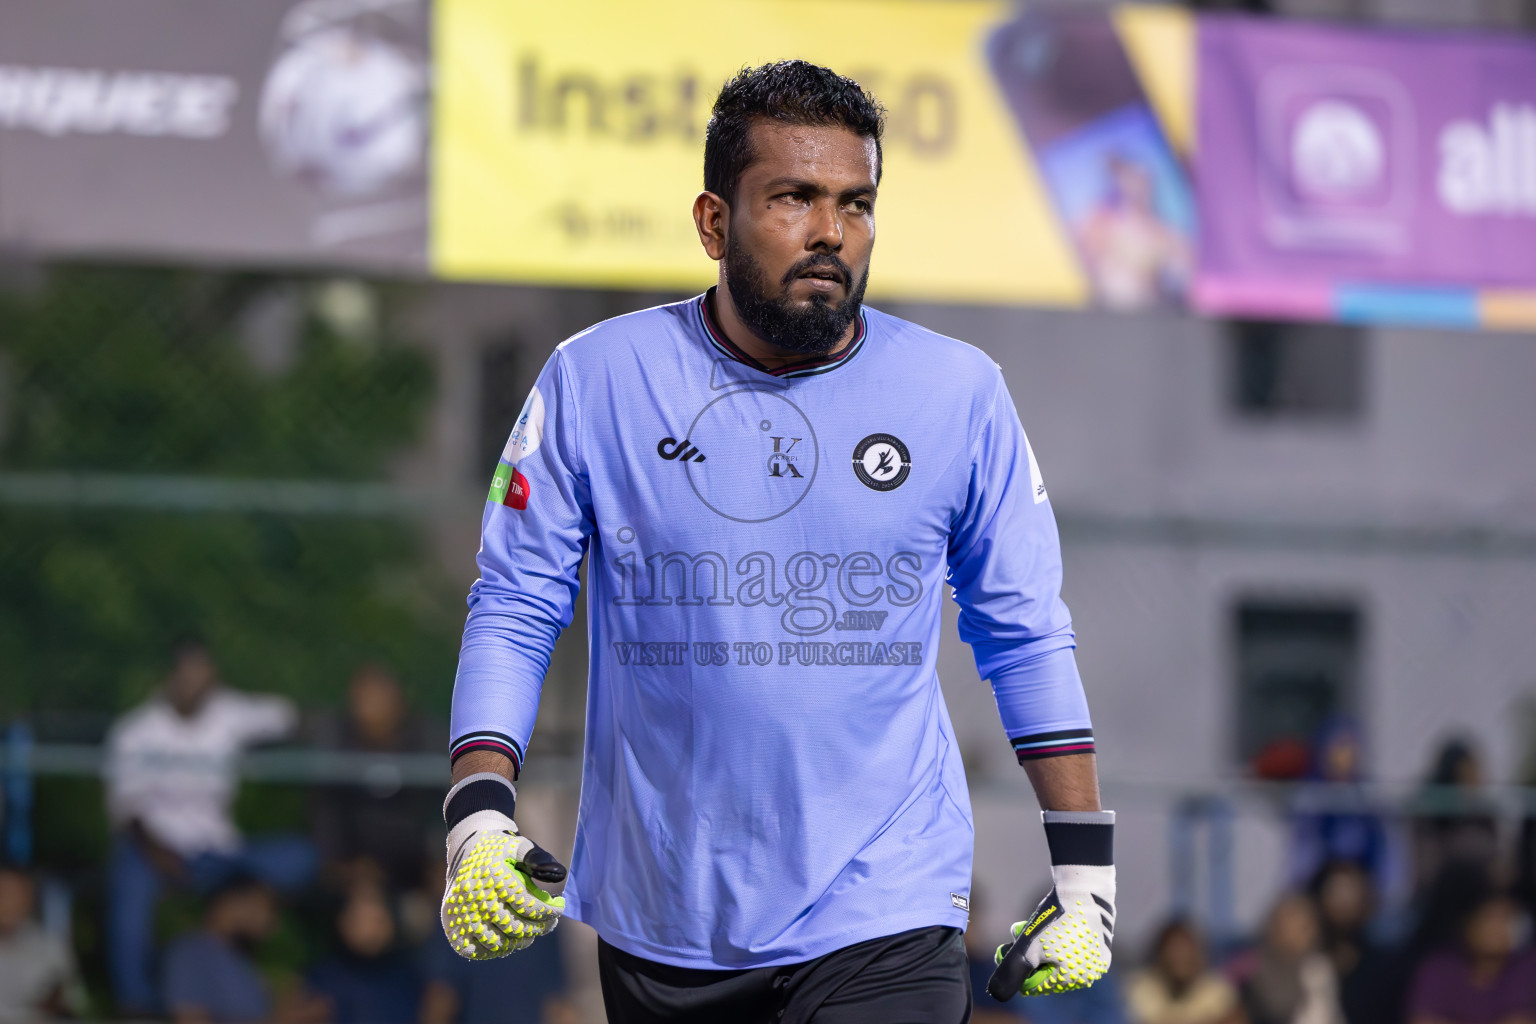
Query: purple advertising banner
[(1362, 174)]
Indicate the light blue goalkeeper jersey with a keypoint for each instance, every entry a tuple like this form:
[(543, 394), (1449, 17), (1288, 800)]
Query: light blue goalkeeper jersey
[(770, 773)]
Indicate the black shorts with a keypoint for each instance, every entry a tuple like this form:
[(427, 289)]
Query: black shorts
[(916, 977)]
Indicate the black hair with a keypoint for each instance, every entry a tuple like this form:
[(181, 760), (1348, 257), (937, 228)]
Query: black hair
[(187, 643), (1173, 926), (1449, 759), (1448, 904), (790, 92), (238, 884)]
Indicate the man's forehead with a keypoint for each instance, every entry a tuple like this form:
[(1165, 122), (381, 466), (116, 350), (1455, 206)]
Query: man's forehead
[(811, 152)]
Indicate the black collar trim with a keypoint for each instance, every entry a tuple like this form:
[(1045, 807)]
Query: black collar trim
[(808, 368)]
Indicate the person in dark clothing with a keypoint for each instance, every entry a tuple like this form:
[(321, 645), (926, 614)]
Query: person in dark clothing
[(1346, 902), (1338, 824), (1525, 851), (209, 974), (383, 831), (370, 980), (462, 992), (1442, 909), (1454, 823)]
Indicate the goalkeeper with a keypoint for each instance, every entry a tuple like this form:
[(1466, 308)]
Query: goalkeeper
[(772, 485)]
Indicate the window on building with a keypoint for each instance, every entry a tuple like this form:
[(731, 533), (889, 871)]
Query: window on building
[(503, 387), (1296, 370), (1298, 664)]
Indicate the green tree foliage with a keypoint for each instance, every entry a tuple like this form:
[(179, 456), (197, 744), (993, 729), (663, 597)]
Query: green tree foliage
[(149, 371)]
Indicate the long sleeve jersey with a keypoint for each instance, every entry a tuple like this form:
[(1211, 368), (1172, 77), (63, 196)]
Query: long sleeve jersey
[(770, 772)]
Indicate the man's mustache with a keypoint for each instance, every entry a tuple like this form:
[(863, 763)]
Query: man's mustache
[(819, 261)]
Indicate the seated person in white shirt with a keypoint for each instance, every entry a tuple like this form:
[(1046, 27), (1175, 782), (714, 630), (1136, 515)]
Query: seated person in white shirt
[(170, 786), (38, 980)]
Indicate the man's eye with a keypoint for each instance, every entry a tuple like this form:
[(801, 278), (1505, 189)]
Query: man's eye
[(859, 206)]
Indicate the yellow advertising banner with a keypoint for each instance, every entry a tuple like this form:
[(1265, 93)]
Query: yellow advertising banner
[(569, 138)]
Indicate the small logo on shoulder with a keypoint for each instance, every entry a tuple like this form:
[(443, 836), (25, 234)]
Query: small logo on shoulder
[(960, 901), (882, 462), (509, 488)]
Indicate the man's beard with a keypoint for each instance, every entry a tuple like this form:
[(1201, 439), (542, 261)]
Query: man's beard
[(814, 328)]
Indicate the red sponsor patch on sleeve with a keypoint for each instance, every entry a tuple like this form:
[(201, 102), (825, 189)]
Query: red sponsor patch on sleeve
[(517, 492)]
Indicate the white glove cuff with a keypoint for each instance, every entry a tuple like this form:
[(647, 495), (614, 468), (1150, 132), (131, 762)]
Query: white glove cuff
[(1066, 817), (1080, 877)]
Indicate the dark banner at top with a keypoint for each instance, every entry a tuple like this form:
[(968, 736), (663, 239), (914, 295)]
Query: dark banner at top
[(262, 130), (1340, 172)]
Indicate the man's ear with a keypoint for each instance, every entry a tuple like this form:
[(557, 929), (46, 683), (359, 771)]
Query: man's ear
[(711, 215)]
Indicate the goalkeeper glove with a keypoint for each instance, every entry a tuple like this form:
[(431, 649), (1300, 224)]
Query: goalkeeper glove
[(1065, 944), (503, 890)]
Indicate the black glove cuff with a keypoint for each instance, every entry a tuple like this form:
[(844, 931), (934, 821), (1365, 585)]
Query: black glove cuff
[(1080, 837), (486, 791)]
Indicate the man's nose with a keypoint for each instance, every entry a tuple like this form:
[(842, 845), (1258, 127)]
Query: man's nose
[(826, 228)]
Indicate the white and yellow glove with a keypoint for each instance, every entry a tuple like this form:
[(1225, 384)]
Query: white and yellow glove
[(1065, 944), (503, 890)]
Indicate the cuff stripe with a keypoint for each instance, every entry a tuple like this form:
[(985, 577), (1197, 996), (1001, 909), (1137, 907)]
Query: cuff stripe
[(1052, 744), (1088, 845), (499, 742)]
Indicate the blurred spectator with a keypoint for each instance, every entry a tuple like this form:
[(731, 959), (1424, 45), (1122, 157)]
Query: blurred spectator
[(1339, 824), (383, 829), (461, 992), (1288, 980), (37, 970), (170, 783), (1454, 823), (1486, 980), (1177, 987), (1366, 972), (979, 956), (1525, 853), (1442, 909), (210, 977), (371, 980)]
